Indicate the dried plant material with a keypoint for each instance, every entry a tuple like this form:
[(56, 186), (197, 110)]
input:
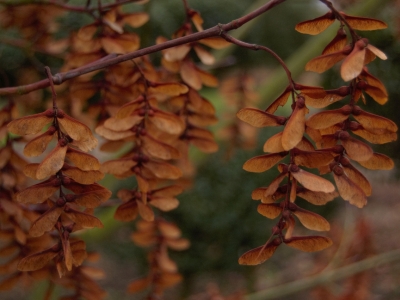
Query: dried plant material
[(362, 23), (82, 219), (135, 20), (91, 199), (190, 75), (354, 62), (260, 254), (312, 182), (348, 190), (38, 193), (124, 43), (163, 170), (138, 285), (372, 121), (274, 185), (317, 25), (280, 101), (295, 126), (328, 118), (46, 221), (31, 124), (118, 125), (356, 149), (324, 62), (312, 159), (274, 144), (39, 144), (82, 160), (311, 220), (118, 166), (159, 149), (271, 211), (168, 88), (378, 161), (309, 243), (83, 177), (317, 198), (127, 212), (53, 161), (167, 122), (215, 42), (38, 260), (77, 131), (259, 118), (263, 163), (338, 42)]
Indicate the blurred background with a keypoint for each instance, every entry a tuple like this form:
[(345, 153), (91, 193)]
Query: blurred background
[(216, 212)]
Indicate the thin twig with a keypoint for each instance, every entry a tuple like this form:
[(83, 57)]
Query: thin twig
[(94, 66)]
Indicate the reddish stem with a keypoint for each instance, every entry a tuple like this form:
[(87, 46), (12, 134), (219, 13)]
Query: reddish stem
[(101, 64)]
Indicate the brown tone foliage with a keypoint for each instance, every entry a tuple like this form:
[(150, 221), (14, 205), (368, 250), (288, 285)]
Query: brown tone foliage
[(150, 115)]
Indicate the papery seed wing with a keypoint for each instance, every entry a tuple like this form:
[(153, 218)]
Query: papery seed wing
[(326, 119), (138, 285), (259, 118), (257, 255), (52, 163), (145, 211), (166, 122), (356, 149), (313, 182), (337, 44), (164, 203), (264, 162), (349, 191), (168, 88), (358, 178), (372, 121), (82, 160), (313, 159), (78, 131), (317, 25), (378, 161), (83, 177), (280, 101), (159, 149), (205, 57), (82, 219), (37, 261), (309, 243), (127, 212), (317, 198), (274, 185), (120, 125), (294, 128), (271, 211), (38, 193), (312, 220), (46, 221), (190, 75), (362, 23), (29, 124), (39, 144), (92, 199), (324, 62), (168, 191), (353, 64), (163, 170), (118, 166), (274, 144)]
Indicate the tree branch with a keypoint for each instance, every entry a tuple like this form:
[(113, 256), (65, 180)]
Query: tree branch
[(101, 64)]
